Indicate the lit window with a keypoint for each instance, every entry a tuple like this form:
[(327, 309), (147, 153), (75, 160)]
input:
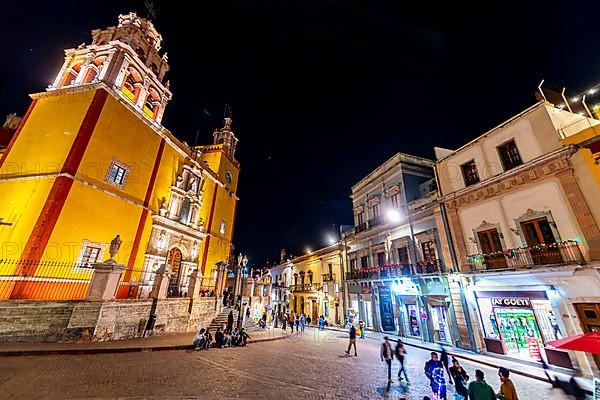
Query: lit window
[(222, 228)]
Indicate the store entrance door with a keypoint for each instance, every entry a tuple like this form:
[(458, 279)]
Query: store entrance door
[(589, 314)]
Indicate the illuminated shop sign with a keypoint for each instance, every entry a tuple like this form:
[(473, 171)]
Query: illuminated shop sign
[(510, 302)]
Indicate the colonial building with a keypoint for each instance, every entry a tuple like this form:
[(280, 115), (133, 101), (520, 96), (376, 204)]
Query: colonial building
[(395, 258), (522, 206), (91, 159), (310, 285)]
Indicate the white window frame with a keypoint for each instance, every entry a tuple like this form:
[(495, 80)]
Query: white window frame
[(116, 163), (85, 244)]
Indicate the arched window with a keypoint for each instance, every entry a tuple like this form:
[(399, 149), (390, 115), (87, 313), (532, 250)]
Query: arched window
[(132, 84), (152, 104), (71, 75), (302, 275), (91, 74), (310, 277)]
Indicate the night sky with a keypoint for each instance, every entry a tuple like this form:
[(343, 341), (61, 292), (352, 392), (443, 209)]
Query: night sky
[(322, 91)]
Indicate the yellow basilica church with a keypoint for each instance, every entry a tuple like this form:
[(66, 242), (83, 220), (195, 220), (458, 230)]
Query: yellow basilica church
[(90, 160)]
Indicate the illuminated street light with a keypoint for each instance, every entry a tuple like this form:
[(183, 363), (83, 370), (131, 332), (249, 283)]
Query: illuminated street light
[(394, 216), (331, 239), (308, 250)]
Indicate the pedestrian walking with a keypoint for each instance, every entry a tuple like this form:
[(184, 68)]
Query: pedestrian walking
[(400, 352), (387, 355), (444, 360), (284, 323), (302, 323), (352, 341), (434, 371), (292, 320), (479, 389), (460, 378), (507, 387)]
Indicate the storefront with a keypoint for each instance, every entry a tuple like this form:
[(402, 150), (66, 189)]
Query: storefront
[(441, 326), (517, 323)]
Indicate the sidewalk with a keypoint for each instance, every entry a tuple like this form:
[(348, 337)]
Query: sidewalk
[(515, 367), (175, 341)]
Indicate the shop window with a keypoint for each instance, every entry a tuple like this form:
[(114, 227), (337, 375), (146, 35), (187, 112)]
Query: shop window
[(509, 155), (469, 171)]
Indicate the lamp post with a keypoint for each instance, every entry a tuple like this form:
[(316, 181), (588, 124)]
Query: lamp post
[(242, 263)]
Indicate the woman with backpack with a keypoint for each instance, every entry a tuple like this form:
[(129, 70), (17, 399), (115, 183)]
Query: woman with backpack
[(400, 352)]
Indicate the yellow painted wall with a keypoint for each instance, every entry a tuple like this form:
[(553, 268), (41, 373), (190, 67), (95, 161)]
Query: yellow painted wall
[(45, 139)]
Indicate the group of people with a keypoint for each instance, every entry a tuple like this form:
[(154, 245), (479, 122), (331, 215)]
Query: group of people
[(298, 321), (223, 338), (437, 370), (322, 322)]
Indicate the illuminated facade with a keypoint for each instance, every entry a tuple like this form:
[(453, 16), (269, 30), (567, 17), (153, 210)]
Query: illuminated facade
[(90, 160)]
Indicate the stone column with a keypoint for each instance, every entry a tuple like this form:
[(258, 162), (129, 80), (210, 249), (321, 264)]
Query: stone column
[(161, 283), (238, 282), (195, 283), (219, 281), (105, 281), (582, 212), (459, 239), (248, 288), (62, 71)]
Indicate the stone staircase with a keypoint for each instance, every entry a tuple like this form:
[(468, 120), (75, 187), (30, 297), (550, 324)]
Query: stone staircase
[(221, 319)]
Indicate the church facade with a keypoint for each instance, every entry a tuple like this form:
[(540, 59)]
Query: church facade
[(91, 160)]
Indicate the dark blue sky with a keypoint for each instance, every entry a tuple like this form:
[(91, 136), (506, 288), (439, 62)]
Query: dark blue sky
[(323, 91)]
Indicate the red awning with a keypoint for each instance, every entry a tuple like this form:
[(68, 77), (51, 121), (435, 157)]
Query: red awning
[(587, 342)]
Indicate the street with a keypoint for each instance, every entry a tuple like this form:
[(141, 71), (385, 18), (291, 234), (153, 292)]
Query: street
[(311, 366)]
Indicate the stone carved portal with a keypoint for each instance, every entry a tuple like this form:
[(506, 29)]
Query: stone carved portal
[(174, 260)]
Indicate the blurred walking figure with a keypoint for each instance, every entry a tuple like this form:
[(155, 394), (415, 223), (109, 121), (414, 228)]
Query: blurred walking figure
[(361, 325), (434, 371), (400, 352), (352, 339), (444, 360), (387, 355)]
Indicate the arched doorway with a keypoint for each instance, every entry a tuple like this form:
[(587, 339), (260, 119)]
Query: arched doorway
[(175, 266)]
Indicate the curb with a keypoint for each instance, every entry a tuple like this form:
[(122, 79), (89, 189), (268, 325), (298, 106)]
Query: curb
[(111, 350)]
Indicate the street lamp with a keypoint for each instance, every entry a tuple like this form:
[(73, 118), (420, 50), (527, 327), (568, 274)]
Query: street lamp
[(242, 263)]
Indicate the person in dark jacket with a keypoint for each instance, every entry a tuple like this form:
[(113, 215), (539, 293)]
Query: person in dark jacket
[(352, 341), (387, 355), (444, 360), (219, 338), (460, 377), (400, 352), (230, 321), (434, 371)]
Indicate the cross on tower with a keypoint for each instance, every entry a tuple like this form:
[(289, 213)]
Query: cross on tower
[(150, 7)]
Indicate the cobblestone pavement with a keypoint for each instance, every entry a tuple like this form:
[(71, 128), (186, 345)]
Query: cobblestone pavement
[(313, 366)]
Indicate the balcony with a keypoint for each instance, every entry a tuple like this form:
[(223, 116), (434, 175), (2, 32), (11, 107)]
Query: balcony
[(396, 270), (328, 277), (360, 227), (306, 287), (378, 220), (559, 253)]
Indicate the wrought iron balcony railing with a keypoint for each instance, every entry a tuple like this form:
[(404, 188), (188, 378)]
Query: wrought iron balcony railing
[(396, 270), (307, 287), (558, 253)]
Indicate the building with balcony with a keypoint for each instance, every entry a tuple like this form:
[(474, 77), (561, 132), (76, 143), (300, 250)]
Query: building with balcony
[(395, 256), (522, 207), (309, 285)]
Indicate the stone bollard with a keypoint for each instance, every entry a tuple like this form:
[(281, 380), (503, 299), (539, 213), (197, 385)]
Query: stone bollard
[(161, 283), (105, 281)]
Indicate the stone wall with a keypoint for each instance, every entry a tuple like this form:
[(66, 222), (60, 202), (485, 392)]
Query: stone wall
[(52, 321)]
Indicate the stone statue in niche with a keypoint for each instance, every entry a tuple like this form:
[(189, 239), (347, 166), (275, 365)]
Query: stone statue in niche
[(163, 207), (179, 182), (194, 185)]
